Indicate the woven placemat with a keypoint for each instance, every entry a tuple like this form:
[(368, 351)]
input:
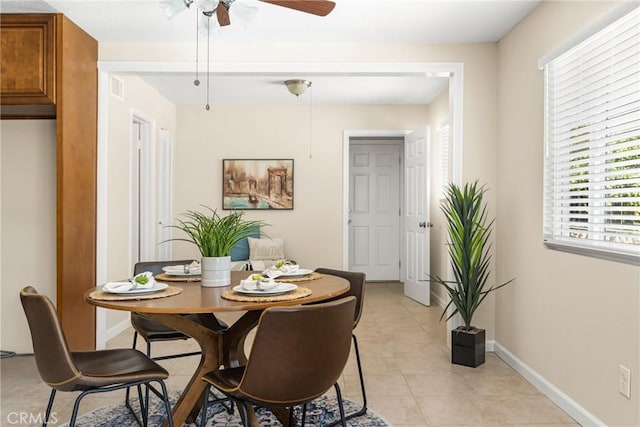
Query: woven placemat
[(299, 292), (312, 276), (100, 295), (164, 277)]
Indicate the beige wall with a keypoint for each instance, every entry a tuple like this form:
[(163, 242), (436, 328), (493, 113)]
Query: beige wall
[(141, 98), (573, 319), (28, 228), (313, 229)]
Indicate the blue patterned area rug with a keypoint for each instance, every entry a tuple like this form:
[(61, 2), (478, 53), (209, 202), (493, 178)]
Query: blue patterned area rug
[(320, 412)]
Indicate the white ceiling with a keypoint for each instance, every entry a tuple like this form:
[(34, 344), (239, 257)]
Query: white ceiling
[(368, 21)]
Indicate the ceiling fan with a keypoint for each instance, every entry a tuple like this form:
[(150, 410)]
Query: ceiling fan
[(221, 9)]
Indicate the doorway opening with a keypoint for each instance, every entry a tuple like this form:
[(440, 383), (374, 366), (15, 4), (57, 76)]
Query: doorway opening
[(387, 224), (142, 218)]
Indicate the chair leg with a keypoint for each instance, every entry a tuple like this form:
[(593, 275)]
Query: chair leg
[(127, 392), (291, 416), (244, 413), (135, 339), (49, 406), (144, 407), (203, 411), (167, 404), (362, 410), (364, 393), (76, 406), (343, 419), (304, 414)]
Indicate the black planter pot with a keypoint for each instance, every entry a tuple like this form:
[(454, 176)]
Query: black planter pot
[(467, 347)]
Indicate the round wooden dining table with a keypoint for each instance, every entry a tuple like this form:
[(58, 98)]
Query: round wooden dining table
[(220, 346)]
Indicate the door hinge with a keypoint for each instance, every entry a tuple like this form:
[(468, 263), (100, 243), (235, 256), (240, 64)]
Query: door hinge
[(399, 263)]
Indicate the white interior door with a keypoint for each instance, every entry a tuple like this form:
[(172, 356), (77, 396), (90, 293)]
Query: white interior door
[(374, 210), (416, 217), (165, 195)]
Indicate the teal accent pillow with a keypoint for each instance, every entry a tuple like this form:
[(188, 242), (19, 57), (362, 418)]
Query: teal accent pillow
[(240, 251)]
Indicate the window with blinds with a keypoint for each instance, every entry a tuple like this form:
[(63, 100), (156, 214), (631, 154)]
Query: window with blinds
[(592, 144)]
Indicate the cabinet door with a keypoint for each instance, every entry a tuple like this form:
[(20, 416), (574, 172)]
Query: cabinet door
[(28, 59)]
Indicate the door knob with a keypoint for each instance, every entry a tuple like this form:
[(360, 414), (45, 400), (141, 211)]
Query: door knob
[(422, 225)]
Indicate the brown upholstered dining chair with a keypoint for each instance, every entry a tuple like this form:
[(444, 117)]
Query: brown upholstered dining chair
[(356, 280), (86, 371), (298, 353)]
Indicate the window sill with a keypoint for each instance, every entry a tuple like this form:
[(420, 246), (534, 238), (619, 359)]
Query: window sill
[(627, 258)]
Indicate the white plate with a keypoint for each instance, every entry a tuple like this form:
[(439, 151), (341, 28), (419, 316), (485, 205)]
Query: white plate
[(178, 270), (156, 287), (298, 273), (281, 289)]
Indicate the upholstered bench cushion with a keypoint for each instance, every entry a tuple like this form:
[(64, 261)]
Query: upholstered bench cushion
[(240, 252)]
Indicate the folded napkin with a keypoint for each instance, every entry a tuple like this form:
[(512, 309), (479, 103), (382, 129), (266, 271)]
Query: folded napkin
[(261, 284), (280, 268), (193, 268), (289, 268), (139, 281)]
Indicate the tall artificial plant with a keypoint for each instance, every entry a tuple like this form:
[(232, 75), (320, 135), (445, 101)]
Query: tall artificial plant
[(469, 250), (215, 235)]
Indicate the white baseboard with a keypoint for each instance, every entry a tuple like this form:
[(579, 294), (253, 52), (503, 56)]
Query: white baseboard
[(117, 329), (490, 345), (438, 300), (557, 396)]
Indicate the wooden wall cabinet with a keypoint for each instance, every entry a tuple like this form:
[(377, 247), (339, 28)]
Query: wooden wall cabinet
[(28, 66), (51, 72)]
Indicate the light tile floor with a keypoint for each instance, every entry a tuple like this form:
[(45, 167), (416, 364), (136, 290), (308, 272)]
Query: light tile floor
[(409, 378)]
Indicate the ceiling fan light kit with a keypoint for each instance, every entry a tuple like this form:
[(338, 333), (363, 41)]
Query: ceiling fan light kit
[(297, 86)]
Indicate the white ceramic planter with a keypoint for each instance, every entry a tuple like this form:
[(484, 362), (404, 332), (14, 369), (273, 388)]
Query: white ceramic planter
[(216, 271)]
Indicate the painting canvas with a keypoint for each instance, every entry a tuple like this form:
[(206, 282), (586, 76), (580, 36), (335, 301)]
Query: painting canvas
[(257, 183)]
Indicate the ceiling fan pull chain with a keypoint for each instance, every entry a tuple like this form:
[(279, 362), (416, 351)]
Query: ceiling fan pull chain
[(207, 107), (196, 82), (310, 121)]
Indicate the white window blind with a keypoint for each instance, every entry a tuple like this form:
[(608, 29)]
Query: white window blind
[(443, 141), (592, 144)]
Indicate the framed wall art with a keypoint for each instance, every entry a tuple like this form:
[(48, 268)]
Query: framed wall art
[(257, 183)]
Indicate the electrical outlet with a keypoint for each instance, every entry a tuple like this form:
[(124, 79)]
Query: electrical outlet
[(624, 382)]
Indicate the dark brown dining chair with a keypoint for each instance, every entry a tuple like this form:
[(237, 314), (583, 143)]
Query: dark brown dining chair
[(298, 353), (86, 371), (356, 280)]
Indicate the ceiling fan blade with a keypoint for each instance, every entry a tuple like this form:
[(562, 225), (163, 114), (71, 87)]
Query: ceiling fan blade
[(315, 7), (222, 12)]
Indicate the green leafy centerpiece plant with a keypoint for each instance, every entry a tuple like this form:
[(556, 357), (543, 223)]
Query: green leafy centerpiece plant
[(469, 253), (214, 236)]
